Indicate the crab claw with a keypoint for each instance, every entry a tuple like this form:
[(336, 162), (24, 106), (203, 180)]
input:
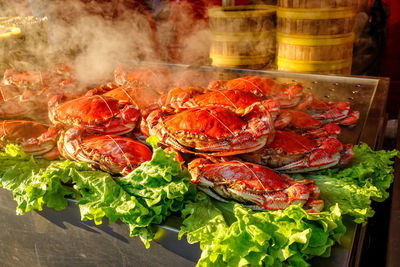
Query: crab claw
[(272, 106), (336, 113), (328, 130), (351, 119), (346, 156), (314, 206), (44, 146), (298, 193)]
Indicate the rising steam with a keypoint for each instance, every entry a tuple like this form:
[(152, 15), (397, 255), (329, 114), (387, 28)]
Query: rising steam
[(97, 36)]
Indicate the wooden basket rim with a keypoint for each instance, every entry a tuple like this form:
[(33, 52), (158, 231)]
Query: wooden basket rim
[(303, 65), (315, 40), (241, 11), (316, 13)]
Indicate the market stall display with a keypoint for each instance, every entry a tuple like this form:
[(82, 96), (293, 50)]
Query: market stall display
[(138, 204)]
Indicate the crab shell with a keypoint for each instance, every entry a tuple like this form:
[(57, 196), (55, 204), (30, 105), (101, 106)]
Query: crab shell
[(32, 79), (111, 153), (35, 138), (9, 91), (252, 184), (236, 100), (37, 80), (287, 95), (142, 96), (214, 130), (98, 114), (291, 152)]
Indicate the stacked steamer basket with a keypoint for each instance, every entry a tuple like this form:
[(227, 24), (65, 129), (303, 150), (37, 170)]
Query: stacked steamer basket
[(315, 36), (242, 36)]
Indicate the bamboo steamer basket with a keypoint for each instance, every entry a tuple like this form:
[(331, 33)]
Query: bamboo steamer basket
[(242, 36), (315, 36)]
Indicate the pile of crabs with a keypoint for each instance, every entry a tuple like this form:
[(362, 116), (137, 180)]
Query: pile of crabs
[(240, 137)]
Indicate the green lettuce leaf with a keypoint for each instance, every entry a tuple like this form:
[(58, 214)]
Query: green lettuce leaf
[(161, 185), (31, 184), (368, 178), (232, 235)]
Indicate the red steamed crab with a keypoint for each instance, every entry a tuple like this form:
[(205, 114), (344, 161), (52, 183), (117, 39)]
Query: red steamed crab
[(25, 94), (257, 186), (214, 130), (37, 80), (266, 88), (35, 138), (140, 95), (338, 112), (291, 152), (111, 153), (236, 100), (97, 114)]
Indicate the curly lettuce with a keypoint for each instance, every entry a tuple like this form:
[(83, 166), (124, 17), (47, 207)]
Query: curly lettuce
[(32, 182), (141, 199), (162, 185), (232, 235), (354, 187)]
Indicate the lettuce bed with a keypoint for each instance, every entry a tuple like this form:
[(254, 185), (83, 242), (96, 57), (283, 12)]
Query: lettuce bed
[(144, 197), (368, 178), (229, 234)]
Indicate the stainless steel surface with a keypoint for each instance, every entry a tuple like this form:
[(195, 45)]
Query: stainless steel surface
[(50, 237), (60, 238), (393, 248)]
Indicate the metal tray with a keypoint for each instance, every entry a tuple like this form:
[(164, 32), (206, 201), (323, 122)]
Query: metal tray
[(53, 237)]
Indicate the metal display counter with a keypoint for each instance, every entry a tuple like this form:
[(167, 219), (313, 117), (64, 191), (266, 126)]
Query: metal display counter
[(60, 238), (393, 249)]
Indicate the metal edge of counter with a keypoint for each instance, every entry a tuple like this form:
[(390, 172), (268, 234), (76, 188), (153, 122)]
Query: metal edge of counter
[(375, 142), (393, 249)]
